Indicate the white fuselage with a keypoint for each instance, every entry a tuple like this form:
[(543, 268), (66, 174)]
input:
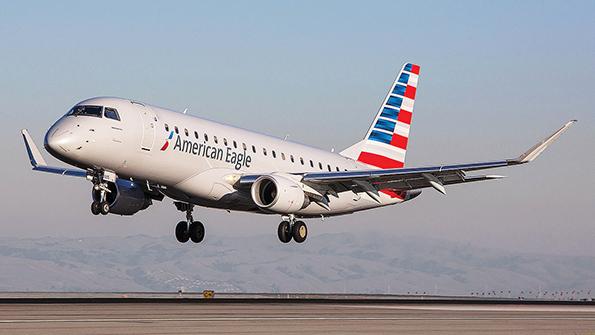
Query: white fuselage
[(200, 162)]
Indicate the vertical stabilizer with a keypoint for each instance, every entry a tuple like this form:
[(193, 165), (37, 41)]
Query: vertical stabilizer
[(385, 143)]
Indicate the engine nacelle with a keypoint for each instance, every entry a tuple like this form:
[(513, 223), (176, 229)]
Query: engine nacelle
[(126, 197), (278, 194)]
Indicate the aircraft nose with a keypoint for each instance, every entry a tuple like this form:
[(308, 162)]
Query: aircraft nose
[(59, 140)]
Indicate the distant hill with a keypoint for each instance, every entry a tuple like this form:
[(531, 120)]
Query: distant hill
[(370, 263)]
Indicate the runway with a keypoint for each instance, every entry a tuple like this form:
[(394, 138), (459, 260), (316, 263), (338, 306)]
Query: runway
[(293, 318)]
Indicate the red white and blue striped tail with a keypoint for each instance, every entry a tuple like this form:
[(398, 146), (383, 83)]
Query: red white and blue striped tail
[(385, 144)]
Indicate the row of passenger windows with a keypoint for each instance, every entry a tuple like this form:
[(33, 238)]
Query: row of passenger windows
[(252, 147)]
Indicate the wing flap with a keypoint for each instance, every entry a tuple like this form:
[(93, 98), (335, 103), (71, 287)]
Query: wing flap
[(415, 178), (412, 178)]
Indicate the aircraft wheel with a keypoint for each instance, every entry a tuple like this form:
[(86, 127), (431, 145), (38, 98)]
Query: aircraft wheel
[(197, 231), (95, 208), (284, 232), (182, 234), (104, 208), (300, 231)]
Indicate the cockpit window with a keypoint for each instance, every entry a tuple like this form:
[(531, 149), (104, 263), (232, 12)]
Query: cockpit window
[(111, 113), (86, 110)]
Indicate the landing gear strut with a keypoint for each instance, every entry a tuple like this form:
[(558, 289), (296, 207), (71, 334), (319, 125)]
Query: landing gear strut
[(100, 205), (290, 228), (189, 229)]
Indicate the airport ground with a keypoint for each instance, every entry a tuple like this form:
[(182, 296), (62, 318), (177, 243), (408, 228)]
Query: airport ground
[(164, 316)]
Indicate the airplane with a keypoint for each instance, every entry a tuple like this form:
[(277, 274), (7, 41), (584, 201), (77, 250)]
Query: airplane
[(135, 153)]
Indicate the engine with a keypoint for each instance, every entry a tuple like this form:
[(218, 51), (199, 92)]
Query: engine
[(126, 197), (278, 194)]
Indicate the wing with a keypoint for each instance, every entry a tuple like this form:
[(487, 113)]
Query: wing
[(370, 181), (39, 163)]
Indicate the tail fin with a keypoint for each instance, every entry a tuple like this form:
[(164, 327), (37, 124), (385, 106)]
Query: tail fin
[(385, 144)]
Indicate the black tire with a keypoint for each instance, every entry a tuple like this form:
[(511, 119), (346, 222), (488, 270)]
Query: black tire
[(197, 231), (299, 231), (284, 232), (182, 232), (104, 208), (95, 208)]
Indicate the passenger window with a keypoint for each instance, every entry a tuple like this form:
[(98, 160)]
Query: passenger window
[(264, 151), (329, 168), (253, 149), (176, 129), (196, 134), (338, 168), (320, 165), (235, 145), (166, 127), (224, 141), (282, 156), (302, 160), (291, 158), (186, 131), (274, 154), (311, 163), (206, 137), (244, 146), (215, 139)]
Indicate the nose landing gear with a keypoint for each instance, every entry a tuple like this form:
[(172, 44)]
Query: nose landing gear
[(100, 205), (189, 229), (290, 228)]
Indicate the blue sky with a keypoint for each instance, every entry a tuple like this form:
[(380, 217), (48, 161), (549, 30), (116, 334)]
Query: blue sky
[(495, 78)]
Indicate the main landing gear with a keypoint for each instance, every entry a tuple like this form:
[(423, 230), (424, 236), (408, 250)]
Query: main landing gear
[(290, 228), (189, 229)]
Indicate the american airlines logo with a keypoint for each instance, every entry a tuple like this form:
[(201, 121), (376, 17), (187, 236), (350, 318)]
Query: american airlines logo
[(171, 134), (238, 159)]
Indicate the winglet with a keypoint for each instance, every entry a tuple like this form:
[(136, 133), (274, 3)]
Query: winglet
[(537, 149), (34, 154)]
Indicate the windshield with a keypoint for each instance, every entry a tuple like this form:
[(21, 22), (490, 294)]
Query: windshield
[(86, 110)]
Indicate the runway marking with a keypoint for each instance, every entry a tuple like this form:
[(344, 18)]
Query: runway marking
[(499, 308), (298, 319)]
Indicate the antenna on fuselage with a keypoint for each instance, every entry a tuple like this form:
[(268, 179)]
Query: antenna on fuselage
[(185, 110), (286, 137)]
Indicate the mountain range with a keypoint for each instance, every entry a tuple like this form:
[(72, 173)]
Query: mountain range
[(326, 263)]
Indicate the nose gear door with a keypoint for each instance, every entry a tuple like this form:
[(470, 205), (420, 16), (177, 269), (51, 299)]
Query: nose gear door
[(149, 121)]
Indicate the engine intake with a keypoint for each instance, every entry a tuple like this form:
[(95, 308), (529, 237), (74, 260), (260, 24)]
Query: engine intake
[(278, 194)]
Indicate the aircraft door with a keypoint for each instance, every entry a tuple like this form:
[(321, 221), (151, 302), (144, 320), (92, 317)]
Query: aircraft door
[(149, 122)]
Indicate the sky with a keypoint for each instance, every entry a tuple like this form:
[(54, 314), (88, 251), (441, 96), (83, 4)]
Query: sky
[(496, 77)]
